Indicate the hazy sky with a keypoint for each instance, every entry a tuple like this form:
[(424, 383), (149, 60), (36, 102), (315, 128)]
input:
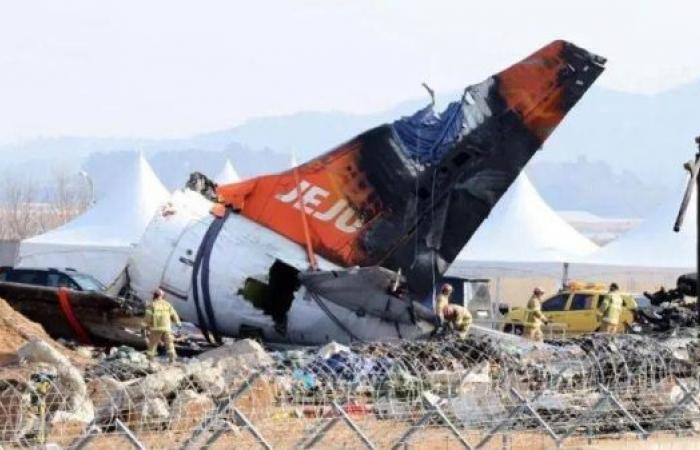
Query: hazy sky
[(172, 68)]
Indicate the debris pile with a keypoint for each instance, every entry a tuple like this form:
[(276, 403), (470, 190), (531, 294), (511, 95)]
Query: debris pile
[(476, 383), (670, 309), (667, 316), (124, 363)]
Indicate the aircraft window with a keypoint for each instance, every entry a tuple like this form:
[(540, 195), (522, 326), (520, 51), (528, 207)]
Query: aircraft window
[(582, 302), (556, 303)]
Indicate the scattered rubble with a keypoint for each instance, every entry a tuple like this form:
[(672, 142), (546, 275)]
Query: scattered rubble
[(206, 377), (76, 406), (165, 382), (124, 363), (475, 381), (331, 349), (671, 309), (107, 395), (245, 351), (150, 413), (666, 317), (190, 407)]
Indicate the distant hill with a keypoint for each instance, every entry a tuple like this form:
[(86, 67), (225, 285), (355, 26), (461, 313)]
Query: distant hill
[(649, 136), (637, 144), (594, 186), (173, 167)]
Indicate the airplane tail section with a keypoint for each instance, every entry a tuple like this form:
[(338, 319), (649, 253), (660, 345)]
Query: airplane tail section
[(410, 194)]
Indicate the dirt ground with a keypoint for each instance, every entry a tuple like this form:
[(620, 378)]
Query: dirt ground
[(385, 435), (282, 428), (16, 330)]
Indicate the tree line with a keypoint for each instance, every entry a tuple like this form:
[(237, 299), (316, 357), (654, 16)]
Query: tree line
[(30, 207)]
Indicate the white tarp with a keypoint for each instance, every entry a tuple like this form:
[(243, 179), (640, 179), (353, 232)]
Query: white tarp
[(227, 175), (523, 228), (98, 241), (653, 243)]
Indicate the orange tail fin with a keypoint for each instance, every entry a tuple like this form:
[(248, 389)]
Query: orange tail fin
[(410, 194)]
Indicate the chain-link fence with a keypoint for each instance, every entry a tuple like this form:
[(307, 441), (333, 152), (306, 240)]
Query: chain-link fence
[(477, 393)]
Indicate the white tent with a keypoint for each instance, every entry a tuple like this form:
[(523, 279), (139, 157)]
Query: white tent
[(653, 243), (227, 175), (522, 228), (98, 241)]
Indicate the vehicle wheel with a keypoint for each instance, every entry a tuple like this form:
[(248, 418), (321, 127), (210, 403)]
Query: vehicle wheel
[(508, 328), (518, 330)]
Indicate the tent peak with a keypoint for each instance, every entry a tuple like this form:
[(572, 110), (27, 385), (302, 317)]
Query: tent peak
[(228, 174)]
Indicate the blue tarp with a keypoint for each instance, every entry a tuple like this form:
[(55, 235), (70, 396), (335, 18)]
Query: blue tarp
[(426, 136), (346, 366)]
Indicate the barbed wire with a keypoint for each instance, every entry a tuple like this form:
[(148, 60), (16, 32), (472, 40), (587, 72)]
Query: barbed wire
[(473, 393)]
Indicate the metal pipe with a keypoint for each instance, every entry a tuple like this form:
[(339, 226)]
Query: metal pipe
[(304, 222), (697, 226), (694, 182)]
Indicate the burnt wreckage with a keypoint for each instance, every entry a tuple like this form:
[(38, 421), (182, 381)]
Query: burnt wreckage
[(461, 163), (670, 309), (420, 187), (398, 201)]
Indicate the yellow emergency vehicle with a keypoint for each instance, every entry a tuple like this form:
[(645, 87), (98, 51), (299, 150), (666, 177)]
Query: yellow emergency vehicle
[(574, 310)]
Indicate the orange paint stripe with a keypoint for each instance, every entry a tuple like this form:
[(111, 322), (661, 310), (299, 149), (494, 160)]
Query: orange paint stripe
[(307, 235), (67, 309)]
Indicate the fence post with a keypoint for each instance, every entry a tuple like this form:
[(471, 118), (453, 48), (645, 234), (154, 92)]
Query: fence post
[(130, 435), (223, 408), (433, 410), (535, 414)]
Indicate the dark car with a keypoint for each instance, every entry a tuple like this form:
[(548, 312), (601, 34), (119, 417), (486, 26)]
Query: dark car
[(51, 277)]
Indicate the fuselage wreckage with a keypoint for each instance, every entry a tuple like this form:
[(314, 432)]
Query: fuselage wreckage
[(347, 245)]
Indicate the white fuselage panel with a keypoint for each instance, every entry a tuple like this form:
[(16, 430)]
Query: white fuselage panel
[(165, 257)]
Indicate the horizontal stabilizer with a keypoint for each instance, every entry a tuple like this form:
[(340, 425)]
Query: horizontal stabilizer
[(366, 290)]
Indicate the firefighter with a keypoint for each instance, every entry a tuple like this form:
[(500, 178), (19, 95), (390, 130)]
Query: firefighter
[(40, 383), (534, 317), (611, 310), (459, 318), (442, 300), (158, 325)]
